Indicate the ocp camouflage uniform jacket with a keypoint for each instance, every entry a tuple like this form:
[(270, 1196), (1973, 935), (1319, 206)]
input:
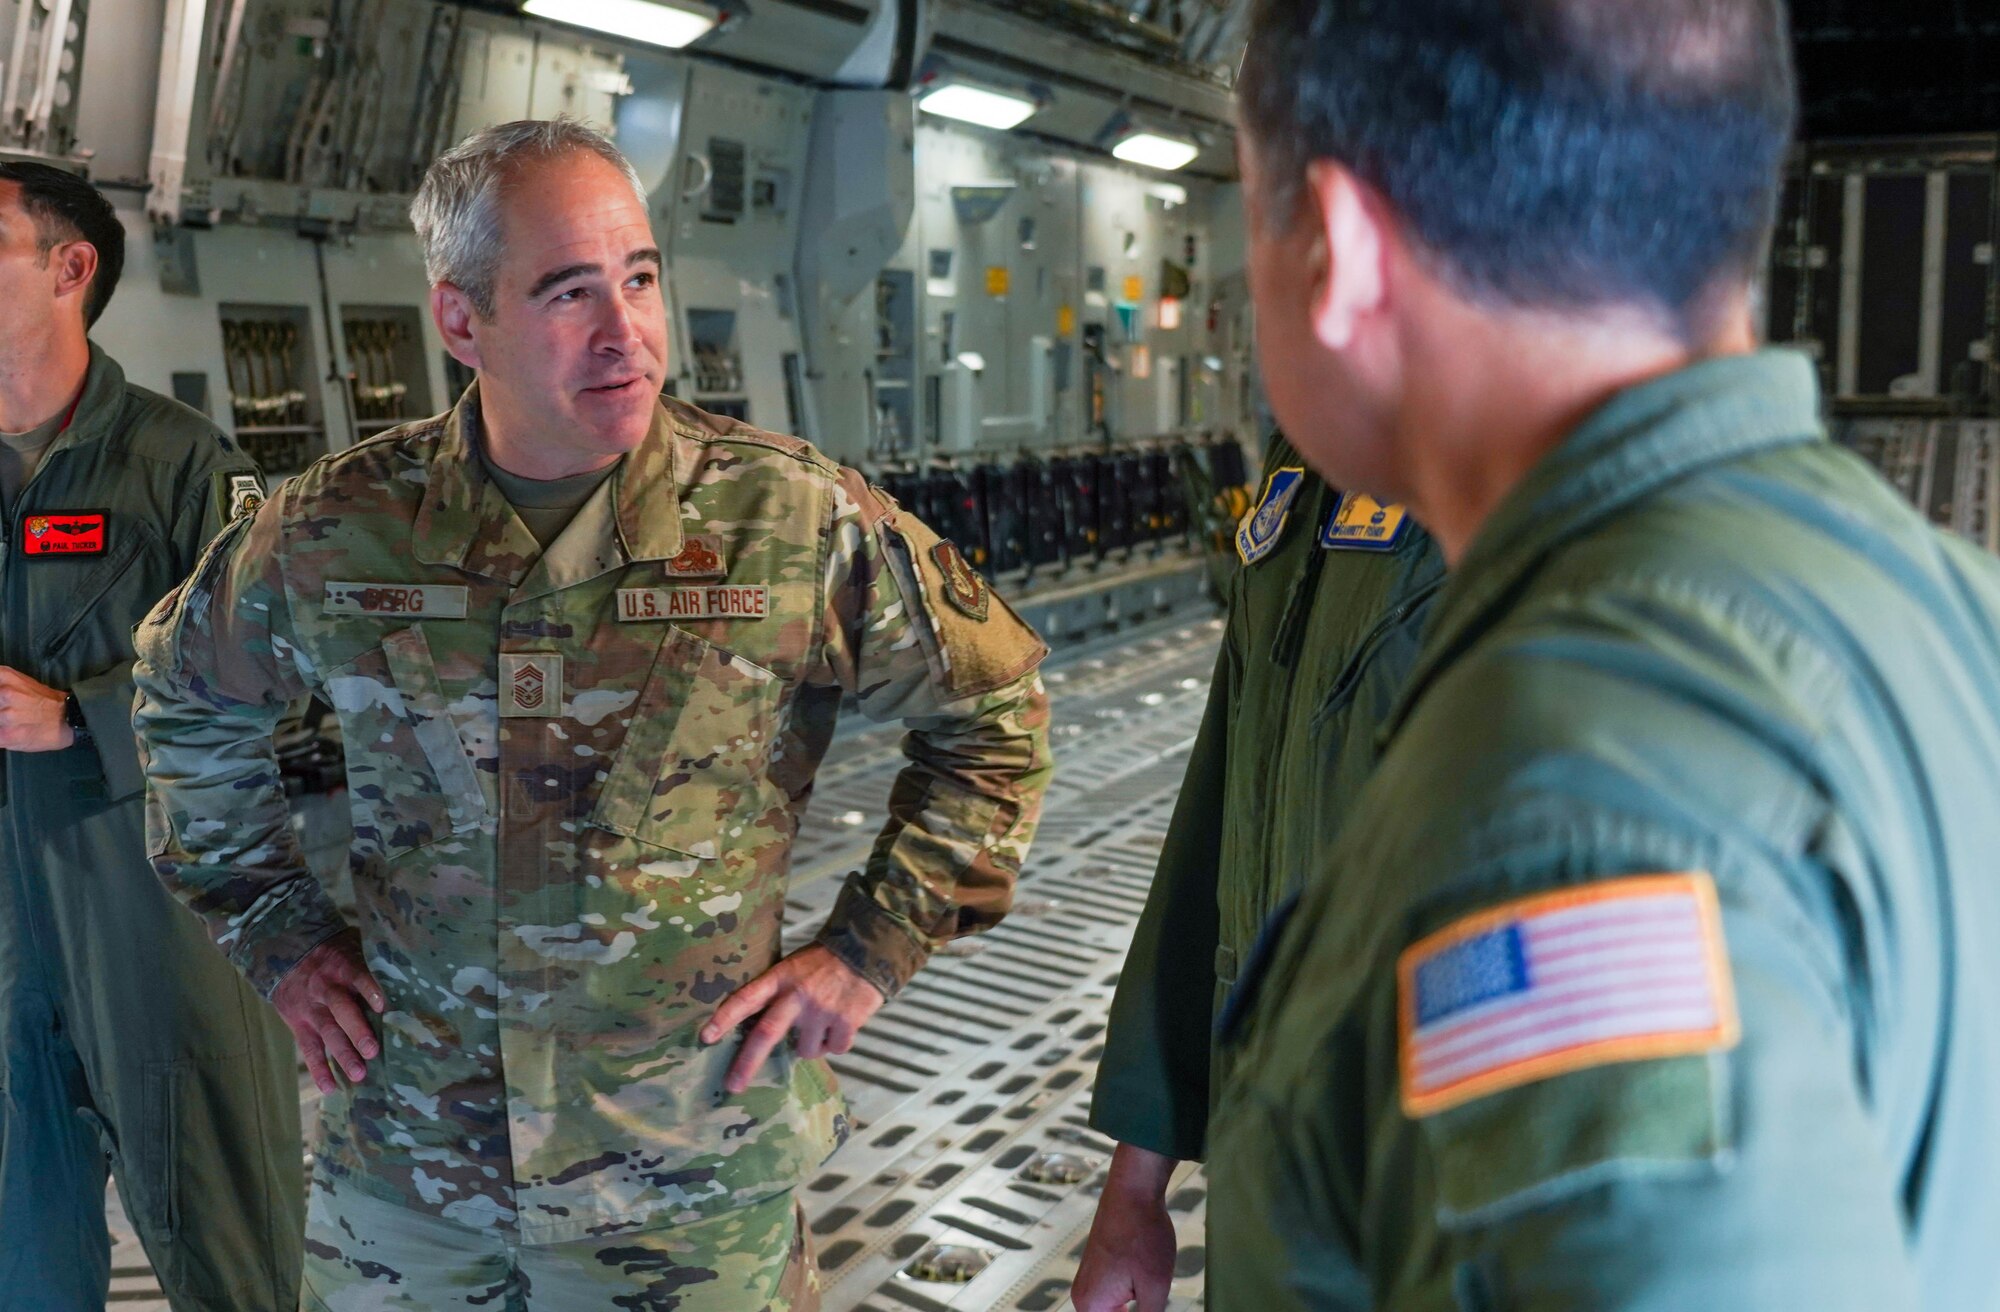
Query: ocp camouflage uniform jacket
[(576, 776)]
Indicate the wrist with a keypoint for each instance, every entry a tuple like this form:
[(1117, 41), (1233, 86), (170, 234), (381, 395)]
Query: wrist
[(1140, 1173)]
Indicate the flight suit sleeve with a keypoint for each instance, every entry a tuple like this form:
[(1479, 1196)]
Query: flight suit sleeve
[(1153, 1079), (105, 697), (1618, 1040), (217, 667), (915, 636), (1705, 1175)]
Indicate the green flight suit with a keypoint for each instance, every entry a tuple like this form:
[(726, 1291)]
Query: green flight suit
[(125, 1034), (1698, 642), (1315, 649)]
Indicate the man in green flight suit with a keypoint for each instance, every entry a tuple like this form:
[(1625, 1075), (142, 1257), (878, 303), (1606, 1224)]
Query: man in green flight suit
[(124, 1036), (1324, 619), (1654, 968)]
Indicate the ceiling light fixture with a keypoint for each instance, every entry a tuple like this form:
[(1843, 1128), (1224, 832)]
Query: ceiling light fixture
[(1156, 151), (669, 23), (979, 105)]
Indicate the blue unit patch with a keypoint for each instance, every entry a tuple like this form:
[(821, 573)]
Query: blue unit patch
[(1264, 526), (1361, 523)]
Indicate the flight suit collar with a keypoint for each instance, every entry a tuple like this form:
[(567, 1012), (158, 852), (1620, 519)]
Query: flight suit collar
[(465, 521), (1642, 440), (97, 407)]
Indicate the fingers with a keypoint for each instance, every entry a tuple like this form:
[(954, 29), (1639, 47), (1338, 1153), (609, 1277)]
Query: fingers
[(321, 1000), (744, 1003), (765, 1036), (332, 1031), (812, 1038), (840, 1034), (340, 1051), (342, 1004), (311, 1052), (363, 985)]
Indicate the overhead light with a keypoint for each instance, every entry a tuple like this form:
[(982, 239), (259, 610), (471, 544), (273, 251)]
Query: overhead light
[(669, 23), (980, 105), (1155, 151), (1168, 193)]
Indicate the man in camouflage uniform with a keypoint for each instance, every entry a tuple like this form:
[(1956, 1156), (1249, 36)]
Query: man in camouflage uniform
[(577, 756)]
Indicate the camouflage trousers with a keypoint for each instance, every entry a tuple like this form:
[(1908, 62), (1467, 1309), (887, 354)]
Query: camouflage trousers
[(367, 1255)]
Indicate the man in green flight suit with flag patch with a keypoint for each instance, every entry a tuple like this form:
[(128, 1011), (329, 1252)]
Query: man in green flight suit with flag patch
[(1324, 616), (1653, 970)]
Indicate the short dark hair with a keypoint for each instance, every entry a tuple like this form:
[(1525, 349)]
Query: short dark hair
[(67, 208), (1556, 154)]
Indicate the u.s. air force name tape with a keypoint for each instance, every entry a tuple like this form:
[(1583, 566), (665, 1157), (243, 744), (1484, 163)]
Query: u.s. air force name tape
[(722, 602)]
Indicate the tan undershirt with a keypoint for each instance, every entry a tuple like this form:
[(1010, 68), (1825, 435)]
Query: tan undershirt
[(547, 505), (21, 455)]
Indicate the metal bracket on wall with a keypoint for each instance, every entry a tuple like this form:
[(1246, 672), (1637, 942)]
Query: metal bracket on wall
[(173, 252)]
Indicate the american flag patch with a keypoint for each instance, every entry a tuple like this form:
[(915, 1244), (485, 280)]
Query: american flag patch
[(1624, 970)]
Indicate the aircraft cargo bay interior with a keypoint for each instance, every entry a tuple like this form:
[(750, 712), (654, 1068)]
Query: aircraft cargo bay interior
[(1289, 638)]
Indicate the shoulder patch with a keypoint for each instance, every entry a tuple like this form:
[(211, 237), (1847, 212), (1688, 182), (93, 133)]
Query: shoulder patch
[(1361, 523), (963, 587), (238, 494), (1262, 529), (978, 646), (1624, 970)]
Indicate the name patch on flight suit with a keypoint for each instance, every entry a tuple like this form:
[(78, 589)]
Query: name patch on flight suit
[(531, 685), (75, 533), (1361, 523), (722, 602), (1262, 528), (701, 558), (1623, 970)]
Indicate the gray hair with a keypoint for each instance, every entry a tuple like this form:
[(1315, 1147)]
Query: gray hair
[(457, 209)]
